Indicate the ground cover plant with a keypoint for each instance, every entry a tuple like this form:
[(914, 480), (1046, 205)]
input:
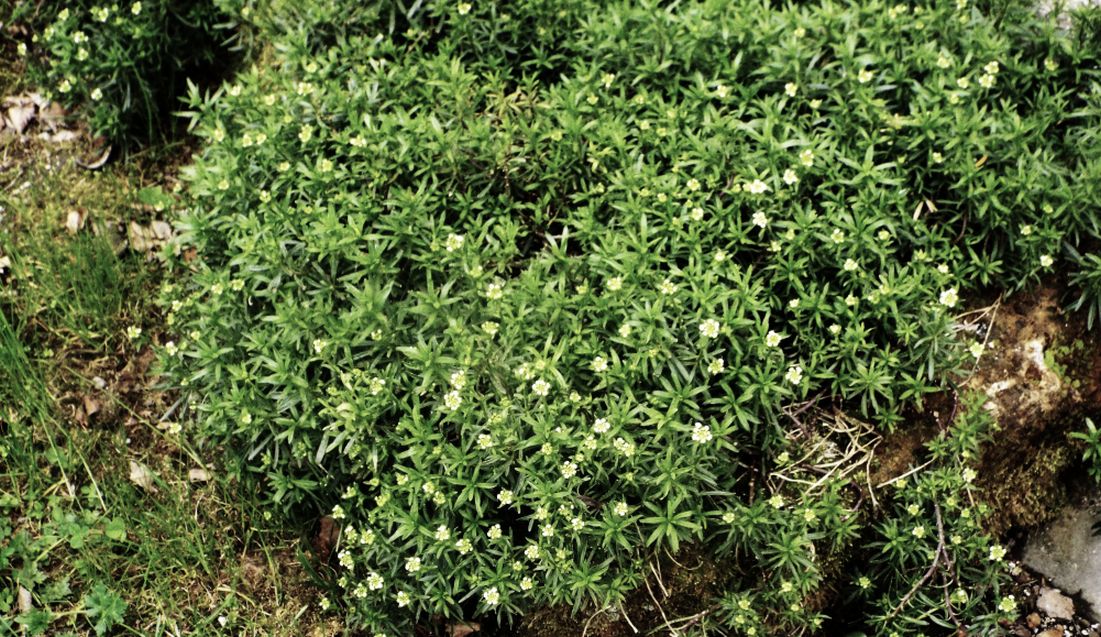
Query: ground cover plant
[(528, 294), (122, 65)]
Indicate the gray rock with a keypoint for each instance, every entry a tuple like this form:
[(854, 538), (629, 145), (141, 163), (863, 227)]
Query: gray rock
[(1069, 555), (1053, 603)]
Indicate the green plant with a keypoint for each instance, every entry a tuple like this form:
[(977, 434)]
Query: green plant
[(526, 295), (123, 64), (1092, 455), (1087, 279)]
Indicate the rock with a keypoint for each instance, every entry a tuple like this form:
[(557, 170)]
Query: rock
[(1069, 554), (1053, 603), (1052, 632), (1033, 620)]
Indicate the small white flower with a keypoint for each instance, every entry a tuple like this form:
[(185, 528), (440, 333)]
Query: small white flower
[(454, 242), (794, 375), (402, 598), (976, 349), (620, 508), (772, 339), (506, 497), (1046, 260), (600, 364), (135, 8), (531, 552), (759, 219), (601, 425), (442, 534), (624, 330), (374, 581), (949, 297), (527, 584), (756, 187), (569, 469), (997, 553), (790, 177), (133, 332), (716, 366), (345, 559), (464, 8), (791, 88), (614, 284), (464, 546), (540, 387), (452, 400), (693, 184), (710, 328), (701, 433), (864, 76), (667, 287), (495, 290), (491, 596), (412, 564), (850, 265), (806, 157)]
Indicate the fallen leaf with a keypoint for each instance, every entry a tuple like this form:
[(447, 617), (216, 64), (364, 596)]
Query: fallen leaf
[(327, 535), (142, 476), (19, 116), (462, 630), (60, 136), (161, 230), (91, 406), (74, 221), (53, 115), (138, 236), (25, 601), (98, 163), (198, 475)]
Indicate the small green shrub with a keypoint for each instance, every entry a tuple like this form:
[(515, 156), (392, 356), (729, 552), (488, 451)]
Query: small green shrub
[(124, 65), (526, 294)]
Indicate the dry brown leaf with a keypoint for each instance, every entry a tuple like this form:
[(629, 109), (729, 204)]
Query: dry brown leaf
[(98, 163), (327, 535), (19, 116), (462, 630), (142, 476), (91, 406)]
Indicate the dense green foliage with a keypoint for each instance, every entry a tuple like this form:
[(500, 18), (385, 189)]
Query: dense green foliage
[(122, 64), (527, 293)]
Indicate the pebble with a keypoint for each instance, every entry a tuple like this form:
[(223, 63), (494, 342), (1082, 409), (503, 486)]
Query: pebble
[(1052, 632), (1055, 604)]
